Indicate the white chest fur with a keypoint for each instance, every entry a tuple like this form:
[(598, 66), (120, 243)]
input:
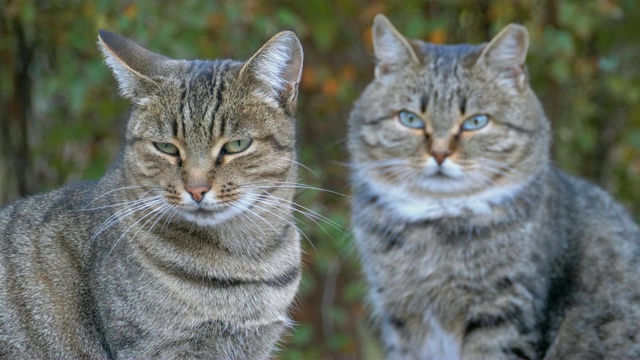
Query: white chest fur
[(414, 207), (439, 343)]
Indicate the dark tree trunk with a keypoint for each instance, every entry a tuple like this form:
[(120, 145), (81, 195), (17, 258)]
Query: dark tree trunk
[(15, 129)]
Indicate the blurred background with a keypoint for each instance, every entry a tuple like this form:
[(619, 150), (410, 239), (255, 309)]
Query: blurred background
[(61, 119)]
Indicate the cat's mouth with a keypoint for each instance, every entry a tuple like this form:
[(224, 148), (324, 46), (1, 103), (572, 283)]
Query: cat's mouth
[(205, 211), (444, 179), (445, 171), (209, 214), (205, 217), (440, 176)]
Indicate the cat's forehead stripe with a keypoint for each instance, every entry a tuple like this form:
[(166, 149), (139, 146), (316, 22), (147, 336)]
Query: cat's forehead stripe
[(178, 130), (179, 120), (424, 101), (202, 98), (219, 91), (442, 87)]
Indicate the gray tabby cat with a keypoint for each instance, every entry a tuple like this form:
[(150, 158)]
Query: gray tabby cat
[(473, 244), (186, 247)]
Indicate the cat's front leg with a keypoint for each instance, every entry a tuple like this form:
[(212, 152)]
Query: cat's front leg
[(396, 339), (506, 340), (418, 337)]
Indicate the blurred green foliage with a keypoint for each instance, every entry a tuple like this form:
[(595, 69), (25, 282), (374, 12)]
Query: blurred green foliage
[(62, 120)]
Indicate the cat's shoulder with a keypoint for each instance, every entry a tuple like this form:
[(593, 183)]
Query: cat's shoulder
[(44, 206), (593, 206), (583, 191)]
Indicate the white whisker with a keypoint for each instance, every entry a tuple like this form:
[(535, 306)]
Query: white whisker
[(132, 225), (168, 220), (301, 165), (276, 206), (376, 163), (166, 208), (291, 185), (246, 208), (312, 215), (122, 203), (119, 189), (121, 214)]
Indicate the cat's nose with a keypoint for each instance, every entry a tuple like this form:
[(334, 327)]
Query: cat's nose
[(198, 192), (440, 156), (440, 148)]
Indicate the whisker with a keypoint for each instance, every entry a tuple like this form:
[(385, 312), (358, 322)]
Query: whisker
[(374, 163), (122, 203), (396, 169), (499, 164), (312, 215), (292, 185), (246, 208), (280, 217), (258, 200), (255, 199), (497, 171), (168, 221), (114, 190), (301, 165), (487, 180), (130, 227), (242, 211), (119, 215), (120, 189), (166, 208)]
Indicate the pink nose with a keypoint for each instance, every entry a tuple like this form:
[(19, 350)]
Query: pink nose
[(440, 156), (198, 192)]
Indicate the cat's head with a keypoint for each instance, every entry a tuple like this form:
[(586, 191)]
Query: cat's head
[(207, 139), (448, 121)]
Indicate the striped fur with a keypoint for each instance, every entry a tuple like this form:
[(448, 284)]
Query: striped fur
[(493, 253), (133, 265)]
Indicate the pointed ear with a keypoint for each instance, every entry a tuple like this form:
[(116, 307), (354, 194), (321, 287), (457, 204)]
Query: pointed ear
[(276, 68), (505, 55), (133, 66), (392, 50)]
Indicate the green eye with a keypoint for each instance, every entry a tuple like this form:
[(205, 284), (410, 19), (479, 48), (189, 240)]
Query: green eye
[(236, 146), (167, 148), (475, 123), (411, 120)]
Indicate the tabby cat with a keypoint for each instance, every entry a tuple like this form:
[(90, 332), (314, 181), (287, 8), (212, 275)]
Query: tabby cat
[(473, 244), (186, 247)]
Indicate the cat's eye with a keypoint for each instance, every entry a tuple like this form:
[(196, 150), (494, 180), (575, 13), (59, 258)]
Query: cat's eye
[(411, 120), (236, 146), (167, 148), (475, 123)]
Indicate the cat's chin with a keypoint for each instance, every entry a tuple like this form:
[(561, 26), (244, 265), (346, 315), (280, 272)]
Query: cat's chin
[(448, 170), (441, 184), (437, 197), (204, 217)]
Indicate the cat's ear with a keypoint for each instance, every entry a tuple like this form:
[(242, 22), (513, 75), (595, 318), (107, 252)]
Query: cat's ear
[(133, 66), (276, 69), (505, 55), (392, 50)]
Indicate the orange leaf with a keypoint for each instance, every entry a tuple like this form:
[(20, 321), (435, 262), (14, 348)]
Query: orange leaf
[(330, 87), (216, 21), (309, 78), (348, 72), (367, 38), (438, 36), (130, 11), (371, 11)]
